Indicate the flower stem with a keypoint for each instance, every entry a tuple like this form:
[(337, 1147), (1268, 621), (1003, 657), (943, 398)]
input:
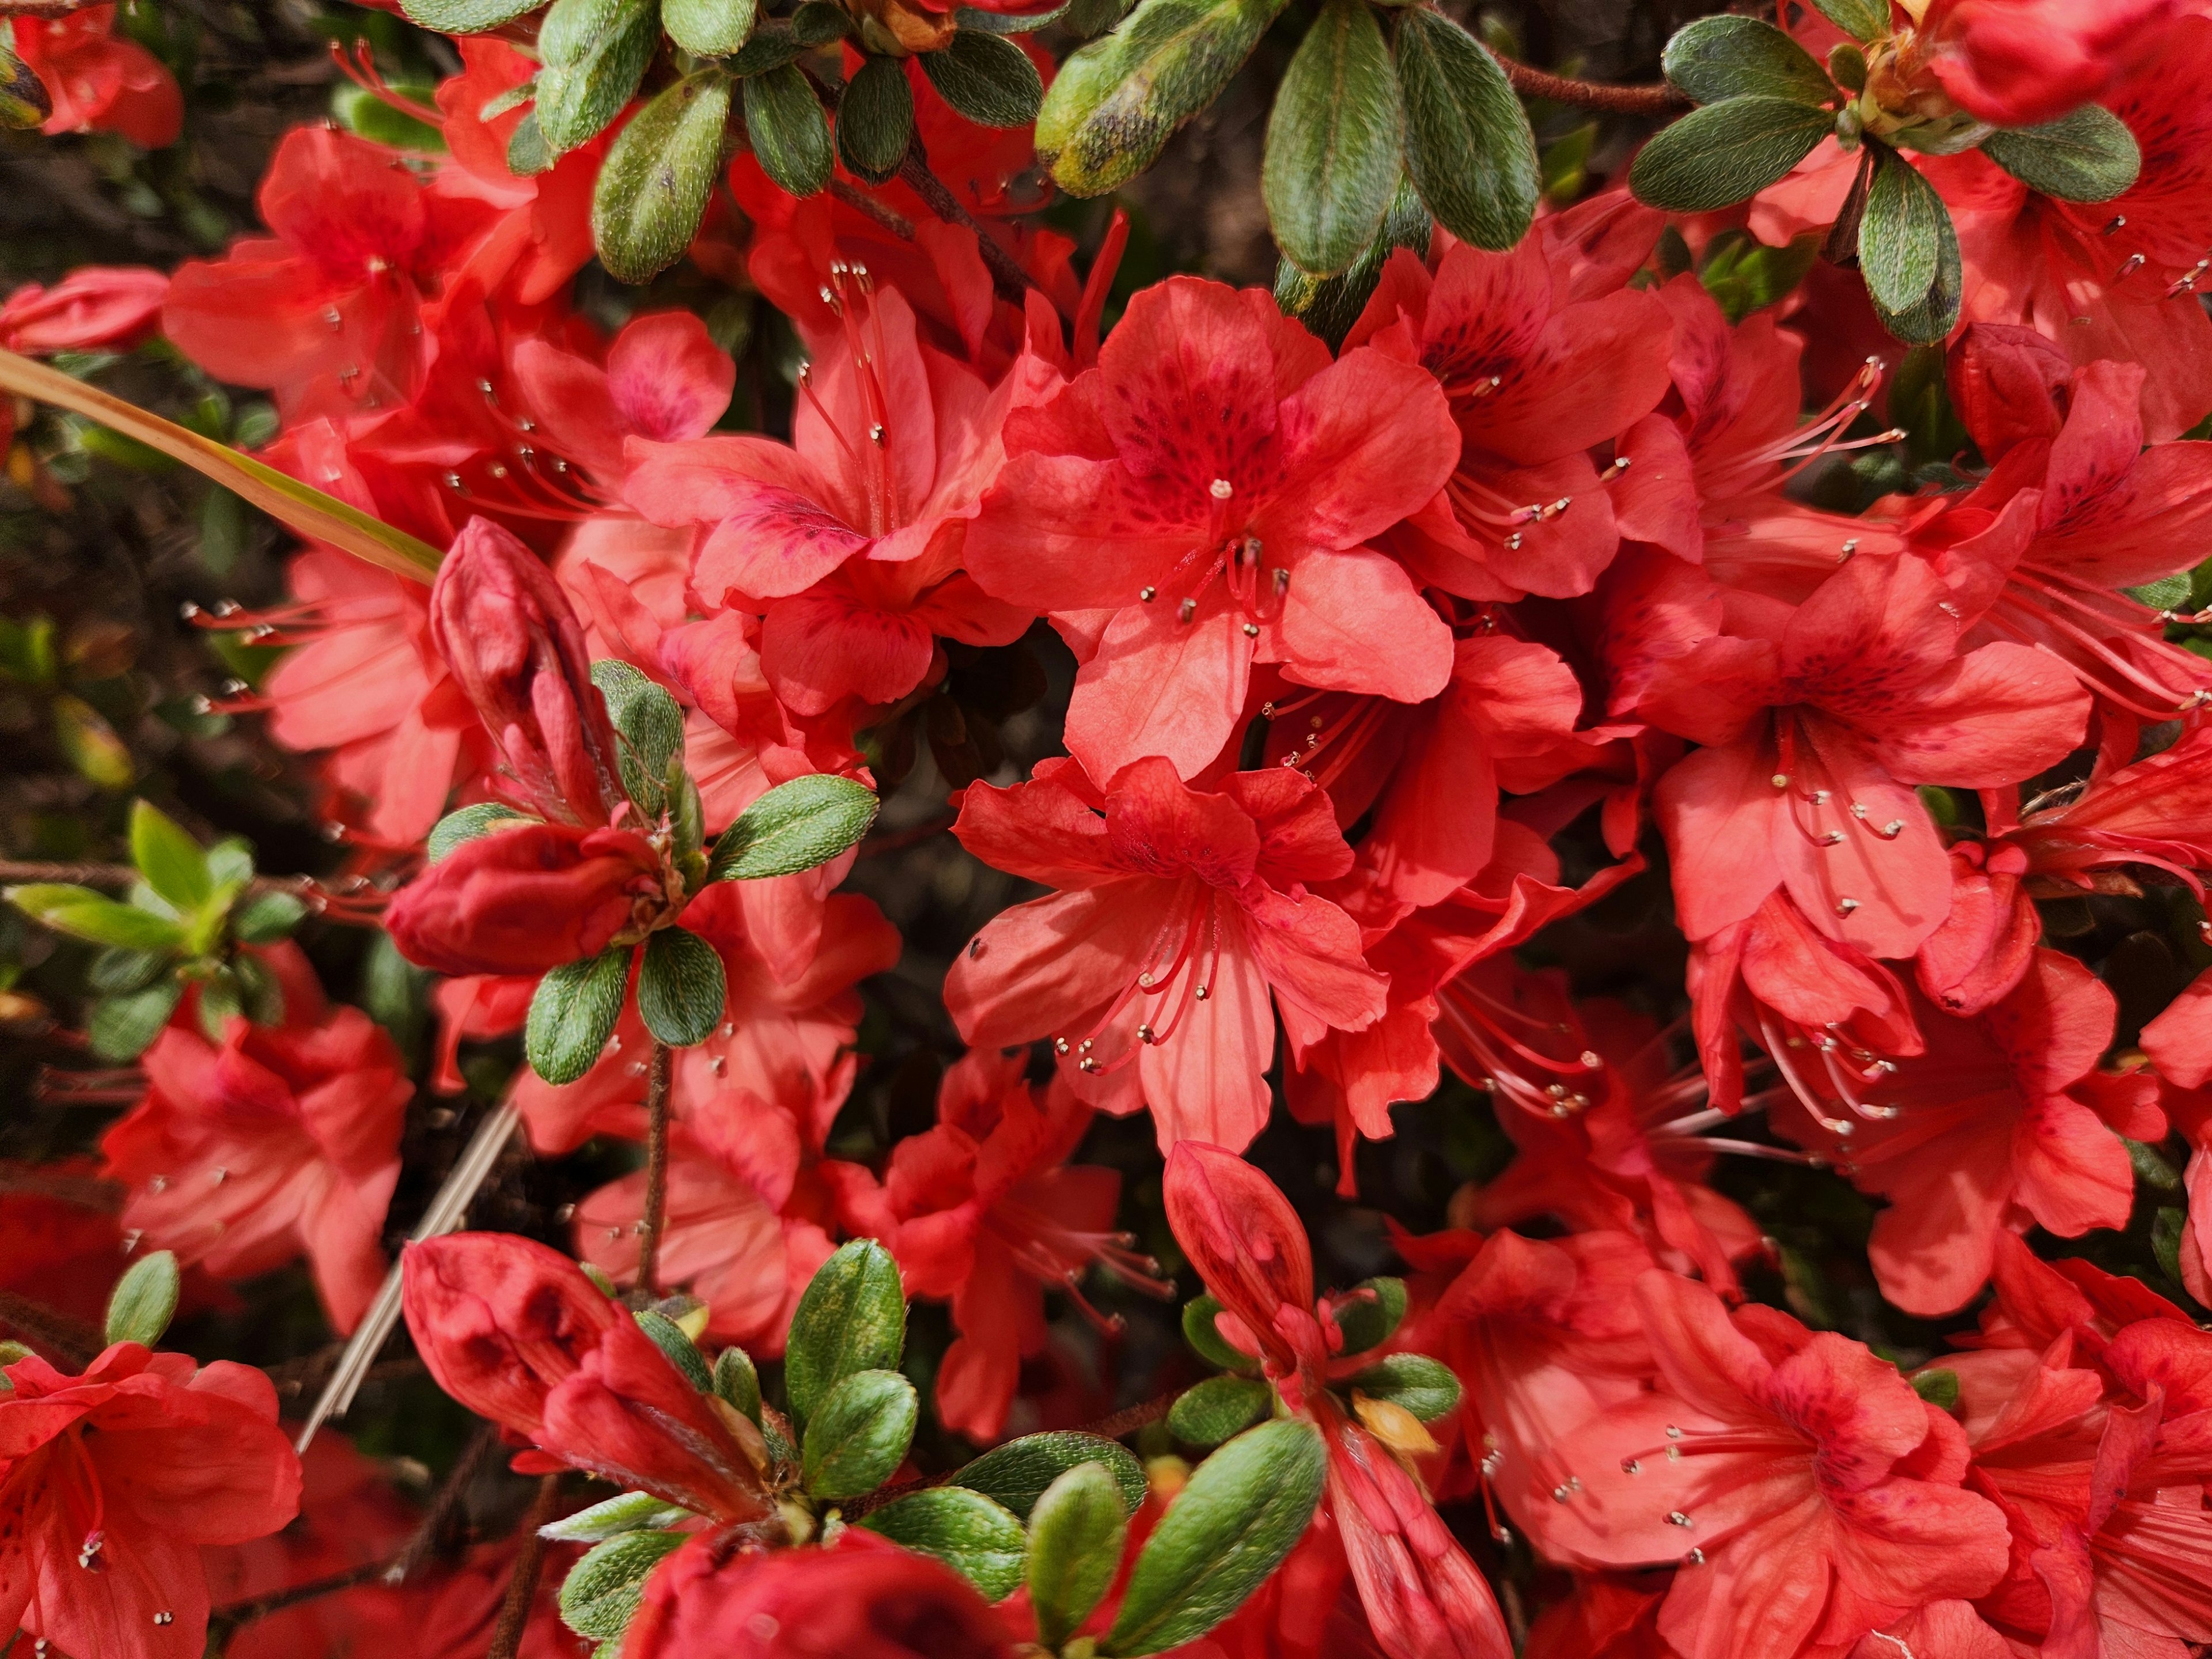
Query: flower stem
[(656, 1169), (1657, 100), (1006, 275), (522, 1588), (73, 1343)]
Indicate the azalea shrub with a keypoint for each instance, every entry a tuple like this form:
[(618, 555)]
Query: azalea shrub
[(793, 867)]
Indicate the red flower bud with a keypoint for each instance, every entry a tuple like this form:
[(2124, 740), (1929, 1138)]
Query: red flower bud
[(525, 900), (2018, 63), (1250, 1247), (858, 1600), (515, 645), (516, 1333)]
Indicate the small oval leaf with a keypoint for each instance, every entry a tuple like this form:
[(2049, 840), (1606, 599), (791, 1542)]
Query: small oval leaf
[(170, 860), (1469, 148), (851, 1317), (1367, 1321), (2088, 155), (486, 817), (683, 1354), (794, 826), (875, 119), (1198, 1330), (633, 1511), (601, 1593), (859, 1435), (976, 1538), (1240, 1514), (787, 129), (1218, 1408), (1334, 139), (1725, 153), (1729, 57), (83, 913), (652, 188), (573, 1012), (465, 17), (121, 1028), (737, 1381), (680, 987), (989, 79), (1862, 20), (592, 55), (709, 28), (1077, 1532), (1422, 1386), (144, 1300), (1017, 1474), (1901, 241)]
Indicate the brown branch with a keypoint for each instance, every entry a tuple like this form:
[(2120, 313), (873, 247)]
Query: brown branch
[(1007, 276), (522, 1588), (1657, 100), (656, 1169), (1135, 1418), (240, 1614), (15, 871), (73, 1342), (87, 1192), (854, 197), (43, 7), (892, 841)]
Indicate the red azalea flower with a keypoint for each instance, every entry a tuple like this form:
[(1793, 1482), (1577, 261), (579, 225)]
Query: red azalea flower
[(1810, 1494), (1183, 922), (278, 1141), (984, 1212), (2022, 63), (527, 898), (111, 1481), (1422, 1597), (861, 1598), (849, 543), (2004, 1121), (1821, 720), (97, 83), (1206, 492), (109, 307), (516, 1333), (1538, 374)]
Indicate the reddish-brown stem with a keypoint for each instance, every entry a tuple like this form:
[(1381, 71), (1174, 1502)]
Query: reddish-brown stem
[(1132, 1419), (892, 841), (1655, 100), (656, 1169), (87, 1192), (1007, 276), (854, 197), (73, 1343), (14, 871), (522, 1588)]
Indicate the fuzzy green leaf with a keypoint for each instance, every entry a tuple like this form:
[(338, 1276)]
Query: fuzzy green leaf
[(1900, 235), (1368, 1324), (680, 987), (990, 81), (652, 188), (170, 860), (976, 1538), (123, 1027), (1219, 1408), (794, 826), (84, 914), (858, 1434), (2088, 155), (737, 1381), (1422, 1386), (1862, 20), (875, 119), (1725, 153), (851, 1317), (1198, 1329), (465, 17), (1469, 148), (1077, 1531), (573, 1012), (634, 1511), (1017, 1473), (1334, 141), (709, 28), (601, 1594), (651, 727), (143, 1301), (788, 132), (1729, 57)]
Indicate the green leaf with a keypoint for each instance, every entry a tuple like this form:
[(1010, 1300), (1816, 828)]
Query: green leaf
[(1929, 319), (1468, 146), (1231, 1525), (1940, 1388), (683, 1354), (1329, 306), (1198, 1330), (875, 119), (116, 970), (1117, 100), (1368, 1324), (2087, 156), (859, 1435), (470, 824), (651, 727), (267, 917), (819, 23), (601, 1594), (974, 1536), (2151, 1168), (1743, 275), (592, 56), (528, 154), (787, 129), (851, 1317), (1900, 236), (634, 1511), (652, 188), (1077, 1532), (1862, 20), (1725, 153), (999, 22), (709, 28), (143, 1301), (680, 987), (89, 743), (170, 860), (737, 1381), (1220, 1407), (1018, 1472), (84, 914), (1422, 1386), (1727, 56), (1334, 141), (465, 17), (794, 826), (260, 992), (771, 47), (2166, 1228), (573, 1012), (122, 1027), (2166, 594), (230, 861), (24, 100), (990, 81)]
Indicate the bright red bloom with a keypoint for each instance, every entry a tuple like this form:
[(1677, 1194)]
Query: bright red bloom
[(516, 1333), (1821, 720), (97, 83), (112, 307), (1182, 922), (859, 1599), (984, 1210), (1206, 492), (59, 1245), (664, 380), (2002, 1122), (1538, 371), (527, 898), (1423, 1598), (849, 543), (2020, 63), (328, 313), (1811, 1495), (111, 1481), (279, 1141)]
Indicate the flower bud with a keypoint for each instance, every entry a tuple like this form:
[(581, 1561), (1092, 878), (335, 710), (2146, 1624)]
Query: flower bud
[(2019, 63), (515, 645), (527, 899)]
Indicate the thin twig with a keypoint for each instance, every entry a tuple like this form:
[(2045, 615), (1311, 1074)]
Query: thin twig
[(87, 1192), (74, 1342), (1007, 276), (15, 871), (892, 841), (1135, 1418), (656, 1169), (522, 1588), (240, 1614), (854, 197), (1659, 98)]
